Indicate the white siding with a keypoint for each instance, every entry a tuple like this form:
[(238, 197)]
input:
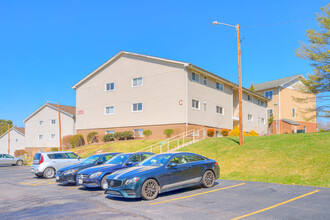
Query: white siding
[(14, 145)]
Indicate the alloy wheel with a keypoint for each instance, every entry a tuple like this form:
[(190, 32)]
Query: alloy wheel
[(150, 189), (208, 179)]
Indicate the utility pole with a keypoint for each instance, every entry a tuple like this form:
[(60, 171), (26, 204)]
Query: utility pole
[(8, 139), (59, 125), (241, 134)]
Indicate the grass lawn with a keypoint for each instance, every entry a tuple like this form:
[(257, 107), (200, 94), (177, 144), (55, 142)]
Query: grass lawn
[(301, 159)]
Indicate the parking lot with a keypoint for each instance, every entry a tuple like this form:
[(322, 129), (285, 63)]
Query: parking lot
[(24, 196)]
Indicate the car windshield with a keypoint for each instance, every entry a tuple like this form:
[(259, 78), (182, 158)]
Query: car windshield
[(91, 159), (119, 159), (156, 160)]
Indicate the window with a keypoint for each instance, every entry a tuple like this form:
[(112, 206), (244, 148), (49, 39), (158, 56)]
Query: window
[(269, 94), (263, 121), (250, 118), (194, 158), (7, 156), (182, 159), (138, 132), (270, 113), (109, 110), (16, 140), (260, 102), (195, 77), (219, 86), (57, 156), (41, 123), (293, 112), (205, 80), (53, 122), (135, 158), (145, 156), (195, 104), (249, 98), (137, 81), (40, 137), (109, 132), (219, 110), (205, 103), (110, 86), (137, 107), (52, 136), (71, 156)]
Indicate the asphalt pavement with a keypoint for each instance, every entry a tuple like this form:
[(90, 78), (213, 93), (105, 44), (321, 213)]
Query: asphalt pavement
[(24, 196)]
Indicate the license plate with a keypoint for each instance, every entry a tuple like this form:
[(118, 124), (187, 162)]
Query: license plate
[(80, 181), (57, 177)]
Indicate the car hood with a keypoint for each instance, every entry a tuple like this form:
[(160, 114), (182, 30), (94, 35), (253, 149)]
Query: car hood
[(76, 166), (134, 171), (101, 168)]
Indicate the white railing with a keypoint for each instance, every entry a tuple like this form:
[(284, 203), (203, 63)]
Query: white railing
[(176, 141)]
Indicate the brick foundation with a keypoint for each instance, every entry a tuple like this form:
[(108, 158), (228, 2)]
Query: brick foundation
[(286, 128)]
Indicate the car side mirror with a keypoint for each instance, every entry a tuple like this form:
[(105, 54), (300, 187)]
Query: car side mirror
[(129, 163), (172, 164)]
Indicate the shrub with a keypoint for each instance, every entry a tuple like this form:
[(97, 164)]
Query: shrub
[(127, 135), (119, 135), (147, 133), (108, 137), (92, 137), (77, 140), (235, 132), (322, 130), (253, 133), (66, 141), (210, 132), (225, 132), (54, 149), (19, 153), (168, 132)]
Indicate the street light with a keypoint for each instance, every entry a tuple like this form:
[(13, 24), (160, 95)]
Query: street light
[(59, 122), (239, 80)]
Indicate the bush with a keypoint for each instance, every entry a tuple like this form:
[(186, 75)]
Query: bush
[(54, 149), (253, 133), (127, 135), (77, 140), (210, 132), (168, 132), (19, 153), (225, 132), (108, 137), (92, 137), (235, 132), (66, 141), (147, 133), (119, 135), (322, 130)]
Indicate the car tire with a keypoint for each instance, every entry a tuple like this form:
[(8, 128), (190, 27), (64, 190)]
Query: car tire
[(49, 173), (103, 180), (208, 179), (150, 189), (19, 163)]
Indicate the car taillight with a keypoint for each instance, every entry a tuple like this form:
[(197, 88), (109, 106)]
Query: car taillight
[(41, 159), (216, 163)]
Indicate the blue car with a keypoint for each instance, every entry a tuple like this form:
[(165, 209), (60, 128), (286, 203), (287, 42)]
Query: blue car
[(68, 175), (162, 173), (95, 176)]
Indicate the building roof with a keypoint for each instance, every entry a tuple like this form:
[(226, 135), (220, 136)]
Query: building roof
[(65, 109), (291, 122), (185, 64), (19, 130), (275, 83)]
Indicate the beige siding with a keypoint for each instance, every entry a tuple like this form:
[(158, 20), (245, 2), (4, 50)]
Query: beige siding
[(163, 87), (271, 103), (213, 97), (17, 142), (33, 130)]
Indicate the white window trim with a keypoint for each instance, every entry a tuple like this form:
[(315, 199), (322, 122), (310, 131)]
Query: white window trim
[(223, 110), (51, 121), (51, 137), (247, 97), (136, 78), (42, 123), (251, 118), (39, 137), (105, 87), (105, 110), (105, 132), (199, 104), (138, 129), (137, 110), (295, 113), (223, 86), (194, 80), (205, 80), (269, 91)]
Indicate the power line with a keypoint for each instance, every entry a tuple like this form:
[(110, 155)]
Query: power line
[(278, 23)]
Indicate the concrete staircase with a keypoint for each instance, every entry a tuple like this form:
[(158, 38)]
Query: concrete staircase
[(183, 145)]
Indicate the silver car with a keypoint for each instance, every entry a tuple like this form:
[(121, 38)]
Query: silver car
[(6, 159), (46, 164)]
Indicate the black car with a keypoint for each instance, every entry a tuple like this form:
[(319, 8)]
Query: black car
[(68, 175), (161, 173)]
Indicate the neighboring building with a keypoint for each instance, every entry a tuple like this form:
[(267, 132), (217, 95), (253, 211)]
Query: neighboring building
[(138, 92), (289, 115), (42, 127), (16, 140)]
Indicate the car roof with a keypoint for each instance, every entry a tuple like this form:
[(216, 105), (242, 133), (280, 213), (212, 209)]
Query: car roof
[(56, 152), (139, 153), (107, 153)]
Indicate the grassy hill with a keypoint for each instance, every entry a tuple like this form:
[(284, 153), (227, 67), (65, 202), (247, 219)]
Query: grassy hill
[(301, 159)]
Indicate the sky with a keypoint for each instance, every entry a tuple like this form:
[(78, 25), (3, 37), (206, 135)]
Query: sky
[(48, 46)]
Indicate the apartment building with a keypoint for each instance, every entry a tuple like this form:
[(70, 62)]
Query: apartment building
[(42, 126), (137, 92), (15, 140), (289, 116)]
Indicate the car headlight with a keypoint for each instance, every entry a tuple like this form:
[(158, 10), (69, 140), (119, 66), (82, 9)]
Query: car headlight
[(95, 175), (130, 181), (71, 171)]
